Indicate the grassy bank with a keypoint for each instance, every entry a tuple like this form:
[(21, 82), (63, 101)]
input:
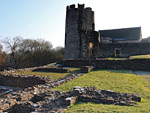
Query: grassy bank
[(119, 81)]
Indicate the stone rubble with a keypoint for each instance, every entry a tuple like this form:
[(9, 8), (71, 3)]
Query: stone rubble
[(58, 101), (36, 93), (91, 94), (41, 97), (51, 101)]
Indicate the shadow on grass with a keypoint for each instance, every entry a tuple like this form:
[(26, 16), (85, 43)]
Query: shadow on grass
[(78, 102), (75, 71), (71, 72), (116, 71)]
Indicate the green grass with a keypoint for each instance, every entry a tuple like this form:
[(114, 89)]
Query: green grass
[(116, 58), (119, 81), (131, 57), (140, 57), (51, 64), (54, 76)]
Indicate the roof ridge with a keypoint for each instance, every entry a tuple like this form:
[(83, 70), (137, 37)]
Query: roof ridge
[(121, 28)]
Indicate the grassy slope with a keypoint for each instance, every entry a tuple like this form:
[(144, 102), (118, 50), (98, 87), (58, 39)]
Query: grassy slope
[(119, 81), (54, 76)]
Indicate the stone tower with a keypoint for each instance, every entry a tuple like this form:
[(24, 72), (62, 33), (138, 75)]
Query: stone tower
[(79, 31)]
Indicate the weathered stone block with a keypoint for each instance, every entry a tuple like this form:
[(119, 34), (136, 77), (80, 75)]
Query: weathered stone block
[(86, 69)]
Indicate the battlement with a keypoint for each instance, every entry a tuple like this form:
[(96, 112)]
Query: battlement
[(80, 6), (88, 8)]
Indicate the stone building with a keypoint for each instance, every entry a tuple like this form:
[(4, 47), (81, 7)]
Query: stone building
[(124, 35), (83, 42)]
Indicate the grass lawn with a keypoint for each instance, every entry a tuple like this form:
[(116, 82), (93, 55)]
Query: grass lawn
[(116, 80), (131, 57), (54, 76), (140, 57), (116, 58)]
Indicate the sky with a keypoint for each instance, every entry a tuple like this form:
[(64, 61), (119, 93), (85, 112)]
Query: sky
[(45, 19)]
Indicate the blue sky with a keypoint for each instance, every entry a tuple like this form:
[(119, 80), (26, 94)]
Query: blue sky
[(46, 18)]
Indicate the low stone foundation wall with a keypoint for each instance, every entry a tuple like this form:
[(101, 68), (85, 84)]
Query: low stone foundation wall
[(35, 97), (91, 94), (22, 81), (52, 69), (14, 71), (136, 64), (7, 72)]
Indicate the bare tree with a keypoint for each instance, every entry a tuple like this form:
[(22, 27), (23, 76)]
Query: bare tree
[(28, 52), (31, 52), (3, 57), (15, 47)]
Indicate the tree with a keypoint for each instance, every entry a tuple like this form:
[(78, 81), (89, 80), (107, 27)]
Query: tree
[(40, 52), (14, 47), (28, 52), (3, 57), (59, 53)]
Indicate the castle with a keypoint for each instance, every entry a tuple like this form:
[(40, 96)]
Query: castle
[(83, 42)]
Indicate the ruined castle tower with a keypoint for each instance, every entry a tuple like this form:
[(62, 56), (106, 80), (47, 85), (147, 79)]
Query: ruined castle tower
[(79, 32)]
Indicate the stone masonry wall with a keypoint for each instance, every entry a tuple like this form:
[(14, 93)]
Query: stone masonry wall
[(137, 64), (72, 33), (126, 49), (22, 81), (78, 20), (80, 26)]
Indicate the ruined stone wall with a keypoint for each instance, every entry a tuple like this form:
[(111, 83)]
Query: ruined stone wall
[(137, 64), (80, 32), (17, 102), (78, 21), (57, 69), (126, 49), (22, 81)]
